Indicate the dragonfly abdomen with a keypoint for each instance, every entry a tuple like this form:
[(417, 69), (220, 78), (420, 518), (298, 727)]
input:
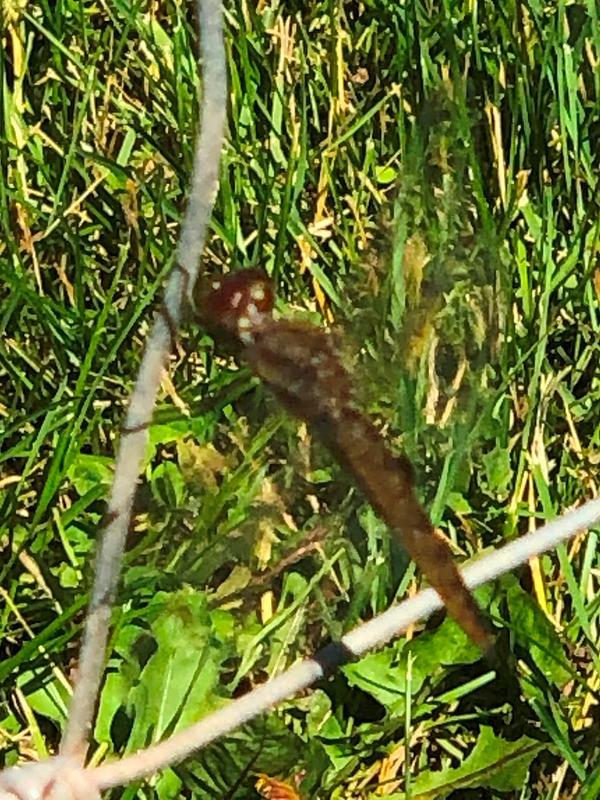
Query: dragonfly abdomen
[(386, 481)]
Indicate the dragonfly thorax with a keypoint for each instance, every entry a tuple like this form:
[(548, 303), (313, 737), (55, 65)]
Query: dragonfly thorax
[(238, 304)]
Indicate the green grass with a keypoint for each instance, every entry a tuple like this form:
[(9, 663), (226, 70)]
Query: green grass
[(424, 177)]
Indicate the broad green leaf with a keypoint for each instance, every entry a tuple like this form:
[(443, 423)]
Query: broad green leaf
[(68, 576), (179, 683), (498, 470), (458, 503), (323, 726), (49, 700), (119, 682), (534, 632), (87, 471), (385, 174), (169, 785), (164, 433), (383, 676), (167, 484), (237, 580), (494, 763)]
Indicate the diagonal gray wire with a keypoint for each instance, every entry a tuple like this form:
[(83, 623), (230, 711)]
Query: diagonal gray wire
[(60, 777), (371, 634)]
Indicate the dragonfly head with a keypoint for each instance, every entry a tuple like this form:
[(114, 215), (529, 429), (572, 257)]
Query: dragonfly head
[(237, 305)]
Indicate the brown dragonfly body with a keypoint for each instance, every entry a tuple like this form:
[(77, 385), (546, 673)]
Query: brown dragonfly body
[(300, 364)]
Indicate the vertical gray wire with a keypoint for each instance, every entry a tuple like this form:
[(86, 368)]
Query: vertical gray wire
[(204, 185)]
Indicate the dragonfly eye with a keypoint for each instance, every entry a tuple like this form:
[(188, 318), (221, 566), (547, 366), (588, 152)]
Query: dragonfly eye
[(237, 304)]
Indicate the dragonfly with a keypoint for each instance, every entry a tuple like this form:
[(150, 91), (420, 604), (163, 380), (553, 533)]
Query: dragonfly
[(300, 364)]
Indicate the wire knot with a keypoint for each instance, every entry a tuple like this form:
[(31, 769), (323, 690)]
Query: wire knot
[(57, 778)]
